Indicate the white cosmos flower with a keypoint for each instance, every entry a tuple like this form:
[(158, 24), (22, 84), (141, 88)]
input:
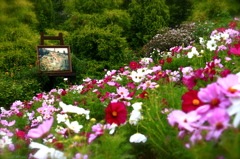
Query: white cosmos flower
[(137, 105), (5, 141), (225, 36), (146, 61), (144, 71), (211, 45), (234, 109), (62, 118), (112, 128), (78, 89), (136, 113), (193, 52), (201, 41), (74, 109), (39, 118), (216, 37), (74, 126), (137, 138), (137, 77), (45, 152), (135, 117)]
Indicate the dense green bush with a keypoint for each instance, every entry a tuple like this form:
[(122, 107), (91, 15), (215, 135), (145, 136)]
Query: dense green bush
[(19, 83), (147, 18), (210, 9), (179, 11)]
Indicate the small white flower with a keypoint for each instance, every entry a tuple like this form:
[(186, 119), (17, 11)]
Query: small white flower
[(137, 105), (78, 89), (193, 52), (39, 118), (74, 109), (87, 79), (234, 109), (201, 41), (137, 138), (62, 117), (137, 77), (65, 79), (146, 61), (45, 152), (5, 141), (74, 126), (211, 45), (59, 129), (112, 128), (136, 113), (135, 117)]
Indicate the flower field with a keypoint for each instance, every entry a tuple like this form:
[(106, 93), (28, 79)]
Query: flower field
[(181, 103)]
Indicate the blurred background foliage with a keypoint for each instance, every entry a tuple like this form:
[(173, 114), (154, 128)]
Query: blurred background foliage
[(102, 34)]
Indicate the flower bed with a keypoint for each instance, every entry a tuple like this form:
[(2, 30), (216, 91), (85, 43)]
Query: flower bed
[(131, 112)]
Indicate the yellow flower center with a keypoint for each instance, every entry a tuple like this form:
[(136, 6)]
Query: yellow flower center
[(114, 113), (195, 102), (232, 90)]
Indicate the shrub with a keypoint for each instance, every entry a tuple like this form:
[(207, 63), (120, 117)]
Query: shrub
[(169, 37), (12, 90)]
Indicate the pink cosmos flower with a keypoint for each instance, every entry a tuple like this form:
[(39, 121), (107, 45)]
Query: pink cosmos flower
[(41, 130), (80, 156), (227, 58), (123, 92), (213, 96), (187, 72), (230, 85), (147, 84), (6, 123), (219, 121), (187, 121), (98, 130), (235, 50)]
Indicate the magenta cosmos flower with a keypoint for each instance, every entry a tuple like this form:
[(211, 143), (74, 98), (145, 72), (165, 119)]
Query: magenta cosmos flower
[(234, 50), (116, 113)]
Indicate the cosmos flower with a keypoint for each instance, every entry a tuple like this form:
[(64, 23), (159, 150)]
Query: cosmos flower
[(116, 113), (136, 113), (123, 92), (234, 50), (74, 109), (213, 96), (133, 65), (193, 52), (234, 109), (187, 121), (230, 85), (137, 77), (218, 120), (211, 45), (45, 152), (74, 126), (138, 138), (41, 130), (190, 101)]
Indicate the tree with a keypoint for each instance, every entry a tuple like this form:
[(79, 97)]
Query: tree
[(147, 16)]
